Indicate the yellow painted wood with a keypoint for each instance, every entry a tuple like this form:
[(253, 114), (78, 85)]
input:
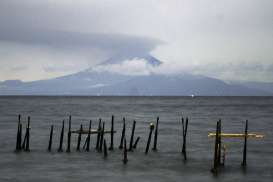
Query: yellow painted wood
[(236, 135)]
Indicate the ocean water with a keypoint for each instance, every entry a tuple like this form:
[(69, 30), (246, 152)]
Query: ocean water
[(166, 164)]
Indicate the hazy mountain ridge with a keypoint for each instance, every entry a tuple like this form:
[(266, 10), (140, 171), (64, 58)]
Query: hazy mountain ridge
[(92, 82)]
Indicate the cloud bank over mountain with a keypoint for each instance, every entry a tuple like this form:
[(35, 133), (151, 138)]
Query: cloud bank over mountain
[(53, 38)]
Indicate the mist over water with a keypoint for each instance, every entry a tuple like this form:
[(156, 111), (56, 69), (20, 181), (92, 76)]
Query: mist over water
[(164, 165)]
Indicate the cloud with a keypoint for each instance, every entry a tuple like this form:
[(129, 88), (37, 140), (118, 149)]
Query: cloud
[(19, 68), (62, 68), (241, 71), (195, 34), (227, 71), (83, 42), (127, 67), (141, 66)]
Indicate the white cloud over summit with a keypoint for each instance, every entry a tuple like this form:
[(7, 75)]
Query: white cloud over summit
[(197, 35)]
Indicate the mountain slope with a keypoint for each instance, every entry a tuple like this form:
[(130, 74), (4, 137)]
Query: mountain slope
[(93, 82), (265, 86), (185, 85)]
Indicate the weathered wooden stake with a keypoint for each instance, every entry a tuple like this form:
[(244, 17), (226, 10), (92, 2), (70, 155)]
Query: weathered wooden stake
[(24, 141), (132, 136), (219, 143), (245, 144), (136, 142), (125, 159), (112, 134), (79, 139), (155, 135), (98, 135), (122, 134), (61, 139), (215, 163), (101, 137), (185, 130), (50, 138), (105, 148), (149, 138), (183, 133), (27, 134), (88, 137), (18, 139), (69, 135)]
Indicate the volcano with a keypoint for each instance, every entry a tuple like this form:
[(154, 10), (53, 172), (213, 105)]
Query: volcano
[(94, 81)]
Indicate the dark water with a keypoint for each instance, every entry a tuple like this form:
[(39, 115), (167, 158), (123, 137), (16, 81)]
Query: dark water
[(165, 165)]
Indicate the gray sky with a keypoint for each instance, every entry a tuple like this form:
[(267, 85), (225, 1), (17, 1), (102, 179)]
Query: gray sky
[(227, 39)]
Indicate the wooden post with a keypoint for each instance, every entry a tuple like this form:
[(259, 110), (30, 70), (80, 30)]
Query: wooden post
[(125, 159), (61, 139), (18, 142), (219, 143), (20, 137), (215, 163), (79, 139), (88, 137), (122, 134), (136, 142), (132, 136), (155, 135), (245, 145), (149, 138), (50, 139), (69, 135), (112, 134), (27, 134), (104, 148), (101, 137), (185, 130), (24, 141), (98, 135)]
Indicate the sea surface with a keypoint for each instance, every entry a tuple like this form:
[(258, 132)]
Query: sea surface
[(166, 164)]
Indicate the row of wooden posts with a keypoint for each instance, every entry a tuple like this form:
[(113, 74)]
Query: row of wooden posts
[(101, 144)]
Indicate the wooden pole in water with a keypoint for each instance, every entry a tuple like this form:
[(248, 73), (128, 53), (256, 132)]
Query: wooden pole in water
[(88, 137), (155, 135), (105, 148), (18, 142), (132, 136), (50, 138), (98, 135), (28, 134), (69, 135), (20, 137), (112, 134), (149, 138), (61, 139), (185, 130), (101, 137), (125, 159), (219, 143), (245, 144), (136, 142), (122, 135), (24, 141), (215, 163), (79, 139)]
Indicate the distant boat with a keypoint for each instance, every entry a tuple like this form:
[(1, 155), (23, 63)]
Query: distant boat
[(192, 96)]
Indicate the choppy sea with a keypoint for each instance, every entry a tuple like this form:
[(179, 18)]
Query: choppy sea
[(166, 164)]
